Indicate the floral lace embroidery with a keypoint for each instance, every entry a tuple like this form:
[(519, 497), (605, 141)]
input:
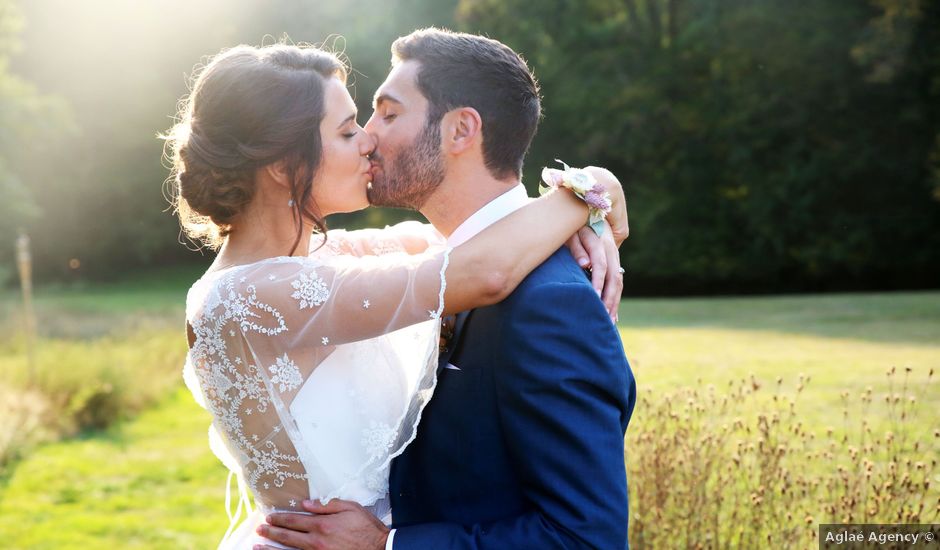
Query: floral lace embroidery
[(286, 374), (233, 388), (381, 246), (377, 479), (378, 439), (335, 246), (236, 390), (310, 290), (363, 242)]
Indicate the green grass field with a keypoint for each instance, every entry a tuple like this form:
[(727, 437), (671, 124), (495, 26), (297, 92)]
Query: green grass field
[(94, 345), (842, 342), (150, 481), (144, 484)]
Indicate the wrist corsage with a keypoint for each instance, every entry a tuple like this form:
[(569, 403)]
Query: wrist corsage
[(583, 184)]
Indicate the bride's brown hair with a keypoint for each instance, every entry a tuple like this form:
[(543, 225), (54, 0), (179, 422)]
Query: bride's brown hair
[(249, 107)]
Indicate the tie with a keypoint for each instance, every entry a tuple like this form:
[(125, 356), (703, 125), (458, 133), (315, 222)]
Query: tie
[(448, 324)]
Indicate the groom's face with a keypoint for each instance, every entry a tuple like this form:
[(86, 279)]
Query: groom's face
[(407, 165)]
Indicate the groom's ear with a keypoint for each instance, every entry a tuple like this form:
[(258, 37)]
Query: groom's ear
[(462, 130)]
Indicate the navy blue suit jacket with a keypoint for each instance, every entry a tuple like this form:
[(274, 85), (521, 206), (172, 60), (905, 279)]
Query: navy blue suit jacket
[(522, 447)]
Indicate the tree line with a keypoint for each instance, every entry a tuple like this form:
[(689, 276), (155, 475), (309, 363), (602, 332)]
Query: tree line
[(765, 145)]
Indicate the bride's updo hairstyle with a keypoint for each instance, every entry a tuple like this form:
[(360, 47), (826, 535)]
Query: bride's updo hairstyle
[(249, 107)]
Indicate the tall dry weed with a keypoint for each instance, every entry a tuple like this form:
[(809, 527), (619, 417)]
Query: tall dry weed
[(740, 468)]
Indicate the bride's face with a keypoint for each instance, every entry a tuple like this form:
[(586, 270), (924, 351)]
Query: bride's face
[(343, 176)]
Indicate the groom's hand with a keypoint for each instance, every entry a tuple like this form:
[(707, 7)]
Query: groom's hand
[(337, 524)]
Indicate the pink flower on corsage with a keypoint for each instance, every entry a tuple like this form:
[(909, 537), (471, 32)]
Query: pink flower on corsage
[(583, 184)]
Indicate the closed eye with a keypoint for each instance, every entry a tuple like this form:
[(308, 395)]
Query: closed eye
[(389, 117)]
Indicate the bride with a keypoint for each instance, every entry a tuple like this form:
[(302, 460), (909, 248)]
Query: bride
[(316, 360)]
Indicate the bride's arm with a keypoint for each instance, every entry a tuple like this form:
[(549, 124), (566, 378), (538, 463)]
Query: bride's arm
[(346, 299), (410, 237), (488, 267), (415, 237)]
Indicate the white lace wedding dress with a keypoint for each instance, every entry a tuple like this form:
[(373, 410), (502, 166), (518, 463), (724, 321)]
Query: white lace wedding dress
[(316, 370)]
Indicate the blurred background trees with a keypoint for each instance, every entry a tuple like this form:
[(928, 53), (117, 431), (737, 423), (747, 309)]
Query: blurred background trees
[(26, 117), (765, 145)]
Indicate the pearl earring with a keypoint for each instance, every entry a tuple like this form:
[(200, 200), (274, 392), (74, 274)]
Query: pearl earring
[(290, 202)]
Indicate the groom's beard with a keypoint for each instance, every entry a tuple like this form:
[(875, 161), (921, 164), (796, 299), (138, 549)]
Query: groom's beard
[(407, 179)]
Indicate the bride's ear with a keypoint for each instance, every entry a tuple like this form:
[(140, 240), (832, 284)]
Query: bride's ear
[(462, 130), (276, 173)]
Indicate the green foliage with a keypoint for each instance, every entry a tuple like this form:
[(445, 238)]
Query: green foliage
[(96, 346), (26, 117), (83, 385), (763, 144), (126, 67)]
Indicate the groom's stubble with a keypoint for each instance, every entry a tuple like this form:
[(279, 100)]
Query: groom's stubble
[(410, 175)]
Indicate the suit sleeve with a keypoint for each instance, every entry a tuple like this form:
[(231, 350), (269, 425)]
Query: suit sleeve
[(565, 397)]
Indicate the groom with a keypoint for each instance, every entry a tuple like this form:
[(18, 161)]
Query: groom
[(522, 444)]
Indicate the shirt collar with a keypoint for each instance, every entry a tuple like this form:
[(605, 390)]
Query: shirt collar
[(490, 213)]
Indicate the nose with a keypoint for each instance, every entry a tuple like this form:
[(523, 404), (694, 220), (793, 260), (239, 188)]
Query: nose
[(370, 125), (367, 144)]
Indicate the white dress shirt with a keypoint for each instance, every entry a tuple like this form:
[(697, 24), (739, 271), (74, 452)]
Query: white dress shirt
[(490, 213)]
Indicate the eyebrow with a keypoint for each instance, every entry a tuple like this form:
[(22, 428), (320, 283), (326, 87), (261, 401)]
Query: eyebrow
[(385, 97), (347, 120)]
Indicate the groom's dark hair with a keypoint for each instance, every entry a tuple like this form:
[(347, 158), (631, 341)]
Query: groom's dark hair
[(466, 70)]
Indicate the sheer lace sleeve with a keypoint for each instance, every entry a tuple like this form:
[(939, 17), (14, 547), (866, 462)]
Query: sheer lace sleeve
[(316, 369), (409, 237), (343, 299)]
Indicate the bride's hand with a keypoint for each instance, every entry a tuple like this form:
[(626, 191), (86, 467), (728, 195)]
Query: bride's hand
[(617, 218), (599, 254)]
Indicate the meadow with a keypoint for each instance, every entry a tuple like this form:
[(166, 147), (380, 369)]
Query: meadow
[(758, 419), (762, 417), (95, 343)]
